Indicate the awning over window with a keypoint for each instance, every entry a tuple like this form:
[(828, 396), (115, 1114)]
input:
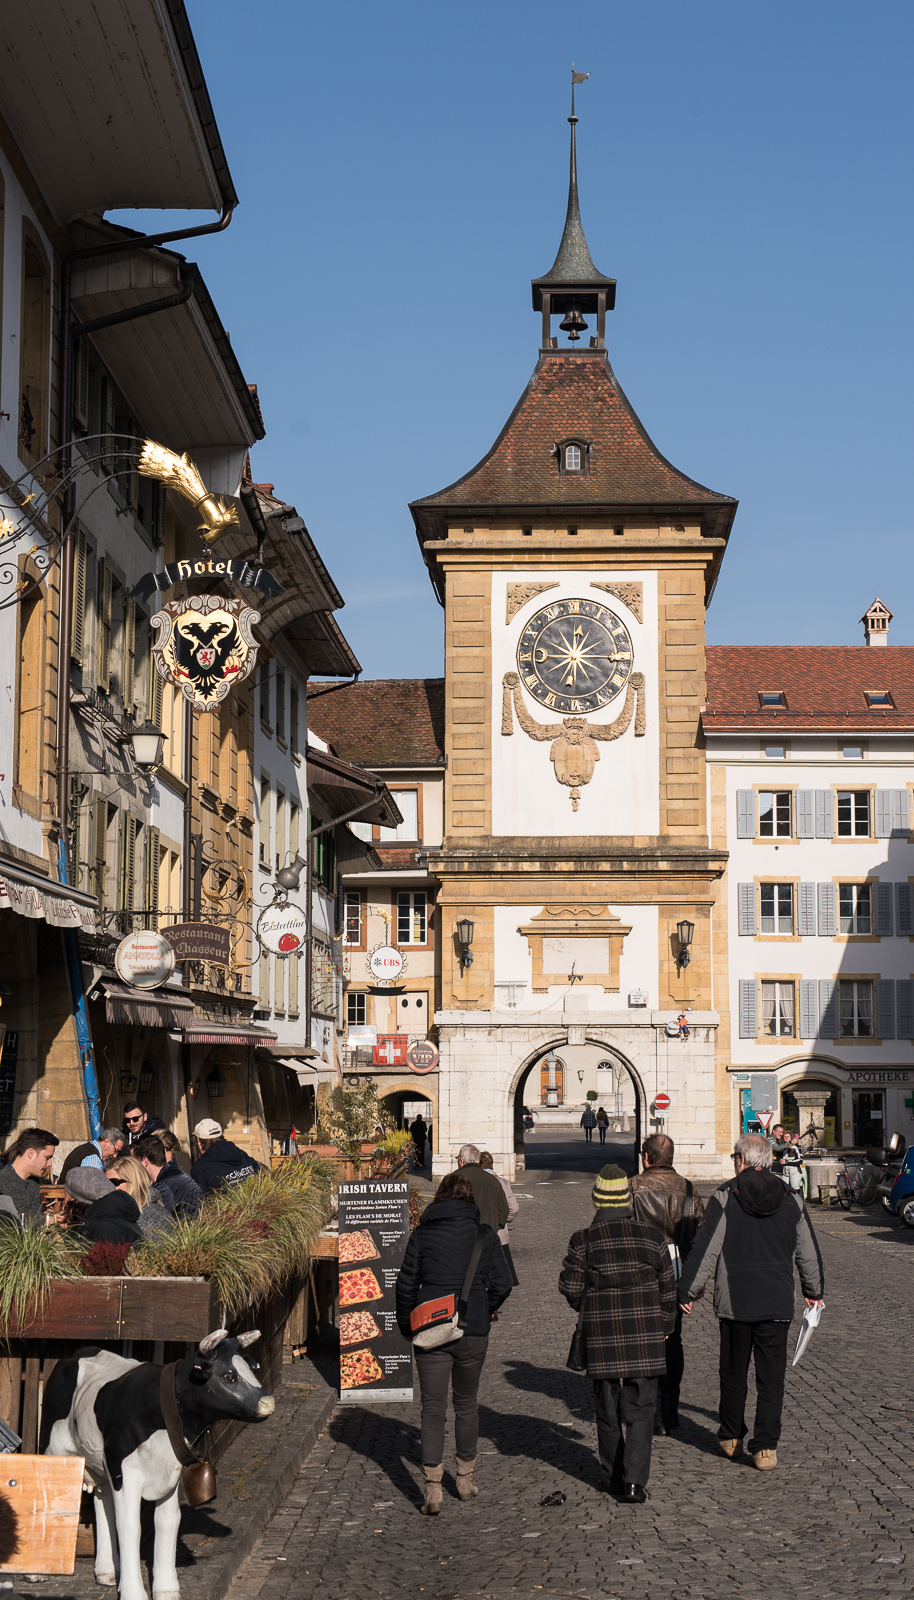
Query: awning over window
[(145, 1008), (229, 1033), (31, 895), (305, 1071)]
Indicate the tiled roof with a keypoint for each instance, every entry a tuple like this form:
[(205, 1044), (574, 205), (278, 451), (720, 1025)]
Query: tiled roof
[(824, 687), (575, 395), (382, 722)]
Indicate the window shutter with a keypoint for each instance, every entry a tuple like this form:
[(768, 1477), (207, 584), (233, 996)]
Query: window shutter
[(745, 813), (129, 655), (884, 799), (81, 386), (748, 1008), (155, 692), (104, 626), (157, 529), (885, 1008), (825, 826), (884, 910), (828, 1009), (100, 848), (809, 1008), (905, 1001), (806, 813), (828, 911), (151, 870), (904, 908), (806, 909), (109, 427), (78, 632), (901, 814), (746, 898), (127, 887)]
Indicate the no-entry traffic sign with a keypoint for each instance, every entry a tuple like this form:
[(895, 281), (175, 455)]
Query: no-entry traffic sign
[(661, 1102)]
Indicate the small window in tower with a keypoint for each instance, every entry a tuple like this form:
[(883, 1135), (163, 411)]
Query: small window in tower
[(572, 458), (878, 697)]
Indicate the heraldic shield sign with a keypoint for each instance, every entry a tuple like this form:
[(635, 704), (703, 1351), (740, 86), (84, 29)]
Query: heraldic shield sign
[(205, 646)]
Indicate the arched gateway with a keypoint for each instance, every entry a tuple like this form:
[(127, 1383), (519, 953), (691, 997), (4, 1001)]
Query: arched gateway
[(574, 564), (624, 1131)]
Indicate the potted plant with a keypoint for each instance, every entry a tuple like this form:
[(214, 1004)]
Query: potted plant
[(353, 1120)]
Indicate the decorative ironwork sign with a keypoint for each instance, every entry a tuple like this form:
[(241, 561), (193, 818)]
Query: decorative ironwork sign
[(144, 959), (422, 1056), (200, 941), (179, 473), (386, 963), (282, 928), (205, 646), (205, 567)]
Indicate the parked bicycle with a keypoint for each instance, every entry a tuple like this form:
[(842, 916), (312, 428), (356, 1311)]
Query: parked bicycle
[(856, 1184)]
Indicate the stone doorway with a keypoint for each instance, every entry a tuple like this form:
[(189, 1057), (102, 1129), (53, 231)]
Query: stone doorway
[(599, 1068)]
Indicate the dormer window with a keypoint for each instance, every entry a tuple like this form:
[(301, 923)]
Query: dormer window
[(878, 697), (573, 456), (772, 697)]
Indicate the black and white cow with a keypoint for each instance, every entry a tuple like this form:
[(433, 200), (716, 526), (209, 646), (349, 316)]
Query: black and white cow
[(106, 1408)]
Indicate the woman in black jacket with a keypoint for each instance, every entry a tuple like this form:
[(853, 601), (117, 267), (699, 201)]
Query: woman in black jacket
[(435, 1264)]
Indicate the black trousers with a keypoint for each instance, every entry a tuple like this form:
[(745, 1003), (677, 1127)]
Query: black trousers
[(588, 1135), (625, 1404), (739, 1341), (669, 1386), (458, 1365), (602, 1133)]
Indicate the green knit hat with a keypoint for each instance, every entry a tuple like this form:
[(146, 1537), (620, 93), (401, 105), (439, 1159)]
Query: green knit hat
[(612, 1192)]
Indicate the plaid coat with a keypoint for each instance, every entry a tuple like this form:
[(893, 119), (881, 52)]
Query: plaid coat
[(631, 1302)]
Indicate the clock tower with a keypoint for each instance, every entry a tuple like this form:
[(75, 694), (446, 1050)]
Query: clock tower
[(574, 564)]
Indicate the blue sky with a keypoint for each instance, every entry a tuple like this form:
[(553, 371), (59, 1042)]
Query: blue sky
[(745, 174)]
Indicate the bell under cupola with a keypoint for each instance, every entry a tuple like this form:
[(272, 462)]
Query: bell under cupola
[(574, 289)]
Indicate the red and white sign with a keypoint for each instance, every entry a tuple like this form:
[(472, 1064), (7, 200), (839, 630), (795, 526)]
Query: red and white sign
[(385, 964), (662, 1103), (765, 1118), (422, 1056), (390, 1050)]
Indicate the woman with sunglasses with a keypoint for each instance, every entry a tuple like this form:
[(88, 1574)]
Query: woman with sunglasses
[(137, 1123), (131, 1178)]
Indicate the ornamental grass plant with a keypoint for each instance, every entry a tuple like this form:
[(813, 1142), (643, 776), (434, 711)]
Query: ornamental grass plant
[(249, 1239), (31, 1258)]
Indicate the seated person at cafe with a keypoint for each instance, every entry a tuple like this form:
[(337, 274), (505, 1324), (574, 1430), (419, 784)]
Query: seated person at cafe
[(179, 1194), (111, 1213), (95, 1153), (27, 1162), (221, 1162), (132, 1178), (174, 1149), (139, 1124)]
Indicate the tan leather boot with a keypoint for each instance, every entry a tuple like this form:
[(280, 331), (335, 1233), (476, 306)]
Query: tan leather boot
[(731, 1448), (432, 1503), (466, 1488), (765, 1460)]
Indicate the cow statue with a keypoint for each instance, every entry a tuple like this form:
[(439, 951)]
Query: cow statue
[(110, 1410)]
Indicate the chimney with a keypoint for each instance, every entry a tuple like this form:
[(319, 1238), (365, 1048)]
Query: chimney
[(876, 623)]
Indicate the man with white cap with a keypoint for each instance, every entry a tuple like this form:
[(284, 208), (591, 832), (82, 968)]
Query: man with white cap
[(221, 1162)]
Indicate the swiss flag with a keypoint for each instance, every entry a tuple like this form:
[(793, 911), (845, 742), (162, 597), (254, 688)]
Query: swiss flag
[(390, 1050)]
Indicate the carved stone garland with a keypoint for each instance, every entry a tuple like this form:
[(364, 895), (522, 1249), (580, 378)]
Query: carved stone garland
[(629, 593), (574, 754), (519, 594)]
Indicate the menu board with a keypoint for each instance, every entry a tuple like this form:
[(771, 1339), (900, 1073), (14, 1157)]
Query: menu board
[(376, 1362)]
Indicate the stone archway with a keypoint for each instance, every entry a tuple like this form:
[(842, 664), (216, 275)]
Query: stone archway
[(531, 1063)]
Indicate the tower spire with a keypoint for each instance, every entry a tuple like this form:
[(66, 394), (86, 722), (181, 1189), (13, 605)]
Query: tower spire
[(574, 283)]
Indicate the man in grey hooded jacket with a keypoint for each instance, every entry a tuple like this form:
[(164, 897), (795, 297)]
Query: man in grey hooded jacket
[(754, 1230)]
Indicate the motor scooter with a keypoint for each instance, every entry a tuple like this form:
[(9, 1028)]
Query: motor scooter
[(893, 1160)]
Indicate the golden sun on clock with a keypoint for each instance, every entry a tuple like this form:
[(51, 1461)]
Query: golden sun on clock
[(575, 656)]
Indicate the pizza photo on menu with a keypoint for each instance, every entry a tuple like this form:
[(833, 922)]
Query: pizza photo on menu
[(356, 1326), (359, 1367), (358, 1247), (358, 1286)]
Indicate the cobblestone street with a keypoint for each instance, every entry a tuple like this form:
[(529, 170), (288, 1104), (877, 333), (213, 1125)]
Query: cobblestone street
[(834, 1519)]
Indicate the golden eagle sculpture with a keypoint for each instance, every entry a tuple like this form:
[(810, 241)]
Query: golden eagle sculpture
[(178, 472)]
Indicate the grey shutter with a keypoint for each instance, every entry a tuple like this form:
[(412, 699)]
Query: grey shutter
[(748, 1008), (885, 1008), (828, 1009), (745, 813), (809, 1008), (901, 816), (746, 902), (806, 909), (806, 813), (825, 826), (884, 910), (828, 910), (905, 1001), (884, 799), (904, 908)]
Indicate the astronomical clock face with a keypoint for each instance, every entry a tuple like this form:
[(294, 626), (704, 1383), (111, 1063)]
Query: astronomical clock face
[(575, 656)]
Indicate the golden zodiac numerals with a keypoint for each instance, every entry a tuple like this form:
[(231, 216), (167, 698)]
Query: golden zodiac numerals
[(575, 665)]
